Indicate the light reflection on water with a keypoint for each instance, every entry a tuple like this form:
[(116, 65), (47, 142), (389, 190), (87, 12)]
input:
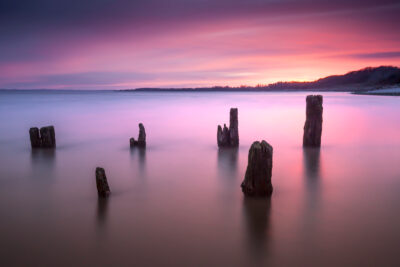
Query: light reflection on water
[(179, 201)]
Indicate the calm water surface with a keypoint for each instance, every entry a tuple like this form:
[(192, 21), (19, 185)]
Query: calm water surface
[(179, 202)]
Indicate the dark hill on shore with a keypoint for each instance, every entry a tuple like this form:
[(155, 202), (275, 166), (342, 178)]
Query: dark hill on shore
[(368, 77), (355, 81)]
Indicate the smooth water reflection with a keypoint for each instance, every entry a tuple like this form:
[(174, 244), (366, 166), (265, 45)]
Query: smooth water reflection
[(257, 213), (139, 154), (179, 201), (228, 163), (102, 206), (311, 159)]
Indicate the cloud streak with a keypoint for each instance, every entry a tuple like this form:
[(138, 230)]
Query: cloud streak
[(378, 55)]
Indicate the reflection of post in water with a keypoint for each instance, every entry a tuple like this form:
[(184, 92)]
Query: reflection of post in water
[(257, 212), (142, 157), (43, 159), (311, 163), (141, 151), (312, 194), (102, 205), (227, 161)]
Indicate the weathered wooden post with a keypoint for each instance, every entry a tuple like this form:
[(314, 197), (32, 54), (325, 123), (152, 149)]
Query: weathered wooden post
[(103, 189), (223, 136), (229, 137), (43, 138), (48, 137), (257, 180), (234, 127), (313, 124), (35, 137), (141, 142), (142, 136)]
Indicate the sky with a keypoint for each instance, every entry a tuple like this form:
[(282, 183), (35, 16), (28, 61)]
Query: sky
[(120, 44)]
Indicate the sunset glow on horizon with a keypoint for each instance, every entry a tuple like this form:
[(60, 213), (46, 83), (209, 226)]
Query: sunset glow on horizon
[(129, 44)]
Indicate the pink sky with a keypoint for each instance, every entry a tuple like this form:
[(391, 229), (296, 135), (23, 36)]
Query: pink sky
[(192, 47)]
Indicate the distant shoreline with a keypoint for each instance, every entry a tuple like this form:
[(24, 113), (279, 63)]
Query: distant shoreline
[(360, 81), (360, 90), (370, 80), (384, 91), (391, 91), (250, 89)]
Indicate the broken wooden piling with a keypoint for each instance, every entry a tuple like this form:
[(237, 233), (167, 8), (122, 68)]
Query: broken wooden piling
[(229, 137), (103, 189), (43, 138), (141, 142), (257, 180), (313, 124)]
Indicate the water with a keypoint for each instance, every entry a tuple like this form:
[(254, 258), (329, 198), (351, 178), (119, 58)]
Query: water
[(179, 202)]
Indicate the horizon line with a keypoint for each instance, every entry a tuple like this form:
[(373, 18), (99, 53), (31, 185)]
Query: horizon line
[(244, 86)]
